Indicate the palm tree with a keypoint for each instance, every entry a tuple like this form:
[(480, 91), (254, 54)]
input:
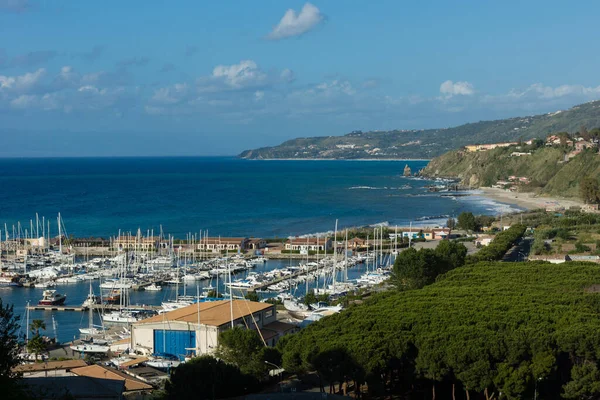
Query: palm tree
[(36, 345), (36, 325)]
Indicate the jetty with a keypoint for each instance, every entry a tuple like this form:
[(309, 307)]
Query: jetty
[(108, 307)]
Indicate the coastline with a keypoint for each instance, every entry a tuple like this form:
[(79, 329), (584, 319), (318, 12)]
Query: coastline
[(335, 159), (528, 201)]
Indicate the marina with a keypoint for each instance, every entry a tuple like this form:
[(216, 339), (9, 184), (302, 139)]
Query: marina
[(89, 284)]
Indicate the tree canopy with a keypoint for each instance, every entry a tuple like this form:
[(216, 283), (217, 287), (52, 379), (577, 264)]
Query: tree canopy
[(589, 189), (206, 377), (9, 351), (486, 327), (415, 269), (466, 221)]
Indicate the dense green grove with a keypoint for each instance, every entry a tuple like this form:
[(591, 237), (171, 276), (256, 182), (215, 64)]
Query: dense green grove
[(414, 269), (486, 328), (206, 377)]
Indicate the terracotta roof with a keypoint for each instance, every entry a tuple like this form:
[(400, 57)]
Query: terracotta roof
[(50, 366), (98, 371), (213, 313)]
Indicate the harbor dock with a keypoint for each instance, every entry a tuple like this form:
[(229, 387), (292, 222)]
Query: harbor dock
[(108, 307)]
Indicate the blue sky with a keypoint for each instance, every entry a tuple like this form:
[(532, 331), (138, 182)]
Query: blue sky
[(83, 78)]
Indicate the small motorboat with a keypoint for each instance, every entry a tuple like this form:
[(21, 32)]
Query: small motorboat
[(153, 288), (51, 298), (114, 297)]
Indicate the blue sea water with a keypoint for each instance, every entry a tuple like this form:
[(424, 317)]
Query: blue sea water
[(224, 195)]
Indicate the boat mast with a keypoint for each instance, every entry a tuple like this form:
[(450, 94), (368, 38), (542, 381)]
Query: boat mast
[(334, 252), (230, 294), (27, 324), (59, 235), (346, 258), (198, 333), (54, 329)]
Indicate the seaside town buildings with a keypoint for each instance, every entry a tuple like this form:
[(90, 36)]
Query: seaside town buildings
[(232, 244), (309, 244)]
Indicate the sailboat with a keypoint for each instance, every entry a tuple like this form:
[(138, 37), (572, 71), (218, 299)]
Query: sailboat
[(90, 348), (122, 316), (91, 298), (92, 329)]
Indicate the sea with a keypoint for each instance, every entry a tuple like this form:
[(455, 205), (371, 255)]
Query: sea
[(225, 196)]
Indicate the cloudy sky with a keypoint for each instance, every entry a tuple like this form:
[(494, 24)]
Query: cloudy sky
[(81, 78)]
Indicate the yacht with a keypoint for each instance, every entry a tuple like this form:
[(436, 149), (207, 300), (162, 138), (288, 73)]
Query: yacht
[(163, 361), (68, 279), (90, 348), (320, 313), (44, 284), (120, 317), (9, 280), (114, 297), (91, 299), (51, 298), (153, 288)]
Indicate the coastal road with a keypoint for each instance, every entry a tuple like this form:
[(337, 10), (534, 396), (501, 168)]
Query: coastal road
[(519, 252)]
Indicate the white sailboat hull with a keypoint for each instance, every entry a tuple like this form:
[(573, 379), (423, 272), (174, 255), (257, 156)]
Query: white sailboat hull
[(90, 348)]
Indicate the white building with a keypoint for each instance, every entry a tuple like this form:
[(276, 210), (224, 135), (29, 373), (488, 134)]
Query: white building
[(309, 244), (218, 244), (195, 329)]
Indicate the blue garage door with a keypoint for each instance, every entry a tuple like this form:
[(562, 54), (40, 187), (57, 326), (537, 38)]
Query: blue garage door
[(174, 342)]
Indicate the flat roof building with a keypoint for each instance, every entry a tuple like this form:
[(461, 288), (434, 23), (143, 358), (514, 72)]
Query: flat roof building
[(195, 329)]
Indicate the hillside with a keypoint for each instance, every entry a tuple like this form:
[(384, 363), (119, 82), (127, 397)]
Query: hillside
[(426, 144), (545, 169)]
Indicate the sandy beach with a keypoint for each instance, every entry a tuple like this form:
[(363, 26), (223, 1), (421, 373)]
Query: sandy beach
[(528, 201)]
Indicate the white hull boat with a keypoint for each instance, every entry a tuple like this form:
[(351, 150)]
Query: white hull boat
[(120, 317), (153, 288), (90, 348)]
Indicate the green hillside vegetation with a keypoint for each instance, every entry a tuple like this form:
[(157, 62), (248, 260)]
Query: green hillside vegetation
[(429, 143), (566, 180), (479, 330), (547, 172)]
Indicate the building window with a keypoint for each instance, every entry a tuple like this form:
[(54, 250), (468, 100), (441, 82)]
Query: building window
[(269, 313)]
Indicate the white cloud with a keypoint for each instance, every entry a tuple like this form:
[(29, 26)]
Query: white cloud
[(23, 101), (449, 88), (170, 95), (246, 73), (21, 83), (259, 95), (293, 24), (287, 75)]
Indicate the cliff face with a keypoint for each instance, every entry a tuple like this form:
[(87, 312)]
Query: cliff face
[(544, 169)]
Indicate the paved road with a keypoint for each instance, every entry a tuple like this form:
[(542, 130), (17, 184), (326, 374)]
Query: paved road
[(520, 252)]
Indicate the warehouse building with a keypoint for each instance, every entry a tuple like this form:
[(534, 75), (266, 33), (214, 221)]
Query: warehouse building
[(195, 329)]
